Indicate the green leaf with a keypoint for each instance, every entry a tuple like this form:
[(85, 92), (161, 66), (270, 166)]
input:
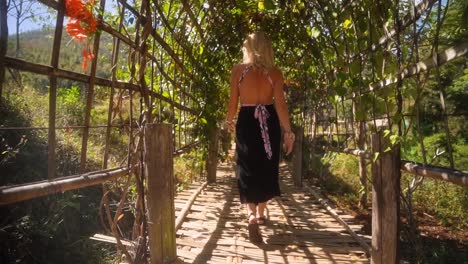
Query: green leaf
[(314, 32), (341, 90), (376, 156), (394, 139), (387, 132), (347, 23), (269, 4), (355, 67), (166, 94), (236, 11), (261, 5), (360, 115)]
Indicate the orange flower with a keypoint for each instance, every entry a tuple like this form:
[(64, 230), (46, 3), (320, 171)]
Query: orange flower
[(82, 24), (87, 55)]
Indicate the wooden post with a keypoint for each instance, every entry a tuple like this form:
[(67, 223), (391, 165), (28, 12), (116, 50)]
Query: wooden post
[(160, 199), (212, 160), (297, 160), (385, 201)]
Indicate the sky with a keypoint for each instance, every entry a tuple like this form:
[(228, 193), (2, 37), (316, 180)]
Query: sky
[(45, 18)]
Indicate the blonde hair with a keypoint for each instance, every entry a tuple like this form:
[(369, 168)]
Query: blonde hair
[(258, 49)]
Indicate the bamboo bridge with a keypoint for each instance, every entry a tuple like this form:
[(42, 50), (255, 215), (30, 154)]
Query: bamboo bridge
[(355, 76)]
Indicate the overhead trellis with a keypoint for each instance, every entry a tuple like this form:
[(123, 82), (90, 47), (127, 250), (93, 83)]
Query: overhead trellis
[(350, 67)]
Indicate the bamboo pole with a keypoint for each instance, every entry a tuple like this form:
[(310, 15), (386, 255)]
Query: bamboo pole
[(103, 26), (437, 173), (362, 165), (421, 66), (79, 77), (186, 148), (355, 152), (51, 166), (90, 96), (60, 127), (184, 212), (297, 160), (160, 175), (212, 159), (194, 20), (18, 193), (115, 59)]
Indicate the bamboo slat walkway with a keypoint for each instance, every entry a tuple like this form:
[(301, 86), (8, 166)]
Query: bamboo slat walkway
[(299, 229)]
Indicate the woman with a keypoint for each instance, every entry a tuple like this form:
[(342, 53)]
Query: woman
[(258, 84)]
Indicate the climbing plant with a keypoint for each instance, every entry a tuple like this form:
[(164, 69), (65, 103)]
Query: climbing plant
[(350, 69)]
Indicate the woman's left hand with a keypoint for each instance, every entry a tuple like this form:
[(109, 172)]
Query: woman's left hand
[(229, 125), (288, 142)]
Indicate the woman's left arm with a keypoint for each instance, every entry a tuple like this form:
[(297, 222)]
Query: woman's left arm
[(282, 109), (233, 98)]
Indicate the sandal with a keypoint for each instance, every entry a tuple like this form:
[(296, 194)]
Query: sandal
[(261, 220), (254, 231)]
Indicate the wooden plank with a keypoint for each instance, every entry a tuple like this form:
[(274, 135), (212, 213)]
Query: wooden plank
[(185, 210), (298, 231), (338, 218), (111, 239), (159, 170)]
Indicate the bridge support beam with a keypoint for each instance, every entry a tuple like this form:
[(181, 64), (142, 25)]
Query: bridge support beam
[(159, 169), (385, 200), (212, 160), (297, 157)]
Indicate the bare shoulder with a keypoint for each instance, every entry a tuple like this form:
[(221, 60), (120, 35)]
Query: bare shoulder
[(276, 74), (236, 68)]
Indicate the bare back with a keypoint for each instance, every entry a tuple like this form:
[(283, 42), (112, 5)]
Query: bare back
[(258, 87), (255, 85)]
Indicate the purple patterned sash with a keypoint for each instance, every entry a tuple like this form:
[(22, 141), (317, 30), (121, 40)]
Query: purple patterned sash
[(262, 114)]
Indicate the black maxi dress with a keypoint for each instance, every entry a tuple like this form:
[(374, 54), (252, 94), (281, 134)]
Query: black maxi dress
[(257, 164)]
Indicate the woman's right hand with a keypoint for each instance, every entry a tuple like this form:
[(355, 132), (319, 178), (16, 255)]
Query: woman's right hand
[(288, 142)]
